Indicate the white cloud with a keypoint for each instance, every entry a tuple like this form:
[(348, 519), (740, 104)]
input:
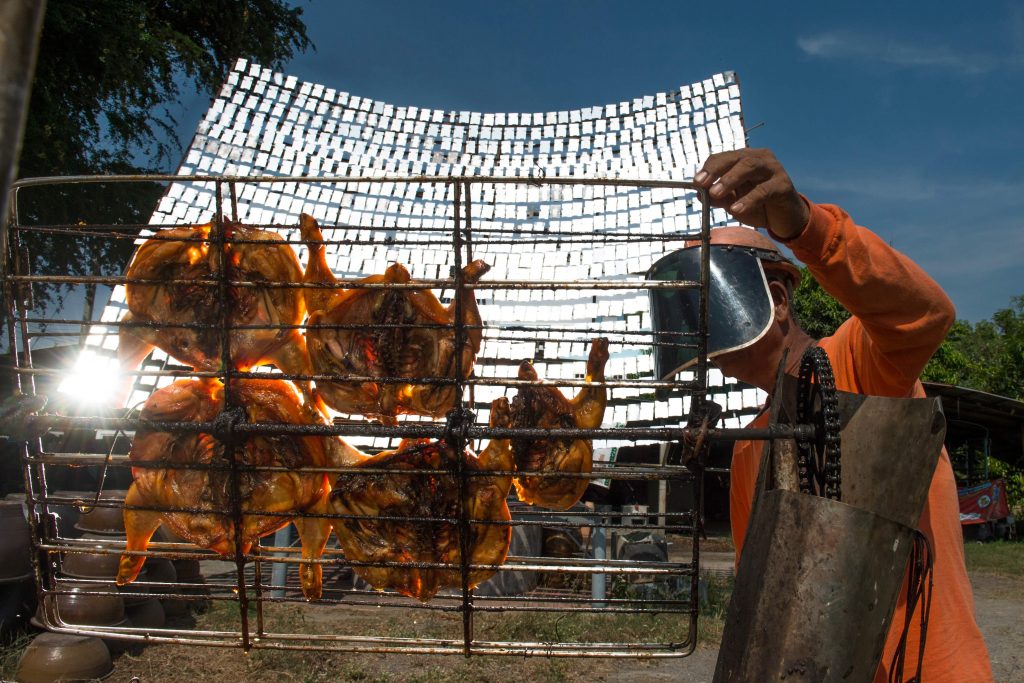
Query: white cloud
[(871, 48)]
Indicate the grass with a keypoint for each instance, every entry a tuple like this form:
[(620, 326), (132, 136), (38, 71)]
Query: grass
[(711, 623), (1005, 558), (176, 662), (10, 655)]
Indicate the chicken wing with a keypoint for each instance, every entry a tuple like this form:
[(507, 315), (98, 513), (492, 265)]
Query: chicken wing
[(382, 501), (196, 503), (386, 333), (547, 408)]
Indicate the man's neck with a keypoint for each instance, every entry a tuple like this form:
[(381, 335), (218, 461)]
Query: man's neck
[(793, 351)]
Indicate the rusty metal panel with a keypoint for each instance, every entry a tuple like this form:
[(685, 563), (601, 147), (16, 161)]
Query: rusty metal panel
[(818, 579), (815, 592)]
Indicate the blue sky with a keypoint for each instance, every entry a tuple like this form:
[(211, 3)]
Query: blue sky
[(908, 115)]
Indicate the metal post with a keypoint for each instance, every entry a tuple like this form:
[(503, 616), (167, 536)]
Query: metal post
[(20, 24), (663, 452), (599, 544), (282, 539)]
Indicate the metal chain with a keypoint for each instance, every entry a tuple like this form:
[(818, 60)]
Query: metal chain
[(818, 462)]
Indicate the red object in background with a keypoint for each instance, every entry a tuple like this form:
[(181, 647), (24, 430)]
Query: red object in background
[(983, 502)]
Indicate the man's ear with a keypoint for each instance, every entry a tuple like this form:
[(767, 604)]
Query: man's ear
[(780, 300)]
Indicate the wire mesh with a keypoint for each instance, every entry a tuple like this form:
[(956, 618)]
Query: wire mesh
[(549, 294)]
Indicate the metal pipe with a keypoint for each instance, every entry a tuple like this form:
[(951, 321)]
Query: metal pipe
[(331, 180), (427, 430), (598, 543), (282, 539)]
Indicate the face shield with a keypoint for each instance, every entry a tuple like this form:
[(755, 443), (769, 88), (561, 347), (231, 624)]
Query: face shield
[(740, 309)]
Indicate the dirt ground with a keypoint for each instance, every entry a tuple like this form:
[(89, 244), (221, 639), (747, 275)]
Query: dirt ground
[(999, 601), (999, 604)]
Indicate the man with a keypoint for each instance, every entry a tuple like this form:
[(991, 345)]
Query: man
[(899, 317)]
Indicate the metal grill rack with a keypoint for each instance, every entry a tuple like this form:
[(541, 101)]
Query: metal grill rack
[(254, 603)]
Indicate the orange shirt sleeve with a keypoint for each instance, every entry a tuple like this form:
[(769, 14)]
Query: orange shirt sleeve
[(900, 314)]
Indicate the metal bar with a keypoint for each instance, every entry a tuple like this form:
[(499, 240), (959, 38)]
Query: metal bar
[(330, 180), (428, 430), (12, 294), (230, 443), (698, 401), (615, 471), (646, 335), (370, 644), (567, 565), (600, 547), (698, 530), (282, 538), (357, 284), (456, 435), (257, 552), (552, 524), (469, 259), (362, 379), (19, 253), (125, 231)]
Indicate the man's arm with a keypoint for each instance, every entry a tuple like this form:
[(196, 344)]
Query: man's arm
[(900, 314)]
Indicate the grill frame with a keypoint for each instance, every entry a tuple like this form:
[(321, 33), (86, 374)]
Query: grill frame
[(458, 431)]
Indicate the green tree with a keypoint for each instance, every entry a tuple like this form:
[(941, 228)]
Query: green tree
[(950, 364), (108, 69), (987, 356), (818, 311), (107, 73), (1008, 379)]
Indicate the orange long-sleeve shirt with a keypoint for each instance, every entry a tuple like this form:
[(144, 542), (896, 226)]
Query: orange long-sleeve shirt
[(899, 317)]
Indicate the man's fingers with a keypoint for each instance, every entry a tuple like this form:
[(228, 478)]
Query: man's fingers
[(773, 205), (716, 165), (753, 196), (753, 186), (739, 191)]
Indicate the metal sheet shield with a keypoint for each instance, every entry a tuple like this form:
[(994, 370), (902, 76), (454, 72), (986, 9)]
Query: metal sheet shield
[(740, 307)]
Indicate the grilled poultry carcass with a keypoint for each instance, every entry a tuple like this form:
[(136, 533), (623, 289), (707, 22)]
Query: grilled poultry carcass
[(189, 261), (434, 496), (207, 494), (385, 333), (547, 408)]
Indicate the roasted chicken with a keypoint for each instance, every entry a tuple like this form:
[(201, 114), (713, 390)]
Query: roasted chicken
[(547, 408), (385, 333), (382, 500), (204, 497), (185, 262)]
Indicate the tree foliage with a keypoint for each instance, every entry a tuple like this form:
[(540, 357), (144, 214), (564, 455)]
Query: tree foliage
[(108, 69), (107, 73), (988, 355), (818, 311)]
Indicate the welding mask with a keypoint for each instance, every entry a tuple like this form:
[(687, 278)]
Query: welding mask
[(740, 309)]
